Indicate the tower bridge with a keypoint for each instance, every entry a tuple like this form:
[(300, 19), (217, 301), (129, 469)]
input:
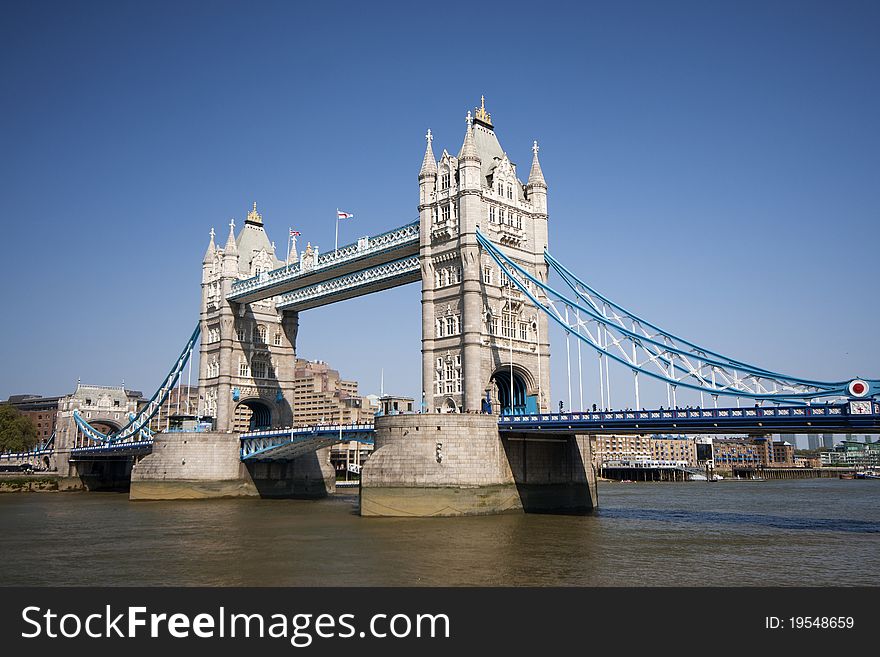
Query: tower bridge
[(486, 440)]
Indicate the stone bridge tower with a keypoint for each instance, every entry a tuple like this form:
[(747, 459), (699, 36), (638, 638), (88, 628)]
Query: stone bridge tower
[(248, 350), (481, 336)]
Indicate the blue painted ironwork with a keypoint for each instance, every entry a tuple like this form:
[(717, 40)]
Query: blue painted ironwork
[(840, 418), (405, 270), (113, 449), (644, 348), (45, 449), (267, 284), (138, 423), (285, 444)]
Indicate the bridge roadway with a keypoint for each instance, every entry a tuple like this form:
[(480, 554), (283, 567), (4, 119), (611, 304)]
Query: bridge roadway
[(289, 443), (856, 416), (369, 265)]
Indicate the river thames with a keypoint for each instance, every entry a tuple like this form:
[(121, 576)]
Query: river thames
[(806, 532)]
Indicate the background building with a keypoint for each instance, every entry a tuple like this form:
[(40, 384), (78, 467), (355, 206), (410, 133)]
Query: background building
[(41, 410), (322, 396)]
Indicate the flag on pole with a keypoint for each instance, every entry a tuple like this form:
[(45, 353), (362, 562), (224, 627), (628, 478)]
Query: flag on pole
[(343, 215), (294, 233)]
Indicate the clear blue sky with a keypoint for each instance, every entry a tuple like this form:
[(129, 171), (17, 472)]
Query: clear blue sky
[(715, 166)]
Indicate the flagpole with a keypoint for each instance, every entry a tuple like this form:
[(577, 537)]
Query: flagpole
[(336, 245), (289, 237)]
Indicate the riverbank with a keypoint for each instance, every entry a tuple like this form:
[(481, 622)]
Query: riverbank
[(39, 482), (17, 482)]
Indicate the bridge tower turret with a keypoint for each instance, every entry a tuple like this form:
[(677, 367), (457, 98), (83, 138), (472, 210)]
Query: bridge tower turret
[(248, 350), (427, 191), (480, 334)]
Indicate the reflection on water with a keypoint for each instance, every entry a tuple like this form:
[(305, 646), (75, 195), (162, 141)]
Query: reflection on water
[(812, 532)]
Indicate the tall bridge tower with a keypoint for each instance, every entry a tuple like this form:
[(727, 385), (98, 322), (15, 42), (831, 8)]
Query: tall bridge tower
[(482, 339), (248, 350)]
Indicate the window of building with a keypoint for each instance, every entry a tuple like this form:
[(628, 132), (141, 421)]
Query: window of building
[(261, 333), (241, 333), (440, 327), (493, 326), (444, 212), (507, 325), (259, 369), (523, 331), (444, 180), (450, 377), (487, 275), (491, 214), (519, 221), (243, 368), (276, 340), (451, 325), (509, 191)]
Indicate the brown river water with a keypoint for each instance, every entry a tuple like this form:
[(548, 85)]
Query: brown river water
[(805, 532)]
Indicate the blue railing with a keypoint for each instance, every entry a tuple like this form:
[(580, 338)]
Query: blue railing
[(867, 411), (389, 240)]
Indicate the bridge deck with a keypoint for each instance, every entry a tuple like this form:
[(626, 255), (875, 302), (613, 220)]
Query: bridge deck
[(286, 444), (836, 418)]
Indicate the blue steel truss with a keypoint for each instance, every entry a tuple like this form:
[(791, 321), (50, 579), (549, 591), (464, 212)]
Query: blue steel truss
[(137, 429), (285, 444), (372, 279), (639, 345), (852, 416), (46, 448), (113, 450), (267, 284)]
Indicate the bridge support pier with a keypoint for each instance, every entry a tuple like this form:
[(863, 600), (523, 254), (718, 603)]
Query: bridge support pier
[(458, 464), (208, 465)]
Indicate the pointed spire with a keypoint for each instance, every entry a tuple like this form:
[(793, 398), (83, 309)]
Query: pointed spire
[(468, 148), (482, 116), (254, 217), (230, 242), (429, 164), (212, 250), (536, 176)]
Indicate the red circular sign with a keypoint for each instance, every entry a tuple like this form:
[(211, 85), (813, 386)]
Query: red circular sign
[(858, 388)]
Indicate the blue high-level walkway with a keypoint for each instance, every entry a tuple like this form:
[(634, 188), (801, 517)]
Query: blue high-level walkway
[(383, 256)]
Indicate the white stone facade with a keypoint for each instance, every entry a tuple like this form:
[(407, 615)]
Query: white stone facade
[(476, 323), (248, 351)]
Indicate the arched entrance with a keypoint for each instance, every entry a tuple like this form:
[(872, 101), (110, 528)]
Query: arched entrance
[(520, 403), (104, 426), (252, 415)]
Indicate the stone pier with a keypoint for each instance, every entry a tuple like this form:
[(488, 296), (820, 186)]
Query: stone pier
[(207, 465), (457, 464)]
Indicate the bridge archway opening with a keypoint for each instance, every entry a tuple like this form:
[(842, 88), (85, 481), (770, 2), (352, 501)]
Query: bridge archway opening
[(252, 415), (521, 403), (105, 426), (449, 406)]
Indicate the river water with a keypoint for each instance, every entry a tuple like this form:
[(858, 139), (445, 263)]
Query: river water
[(807, 532)]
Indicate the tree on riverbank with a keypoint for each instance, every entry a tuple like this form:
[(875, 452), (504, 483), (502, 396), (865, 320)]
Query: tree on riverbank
[(17, 431)]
